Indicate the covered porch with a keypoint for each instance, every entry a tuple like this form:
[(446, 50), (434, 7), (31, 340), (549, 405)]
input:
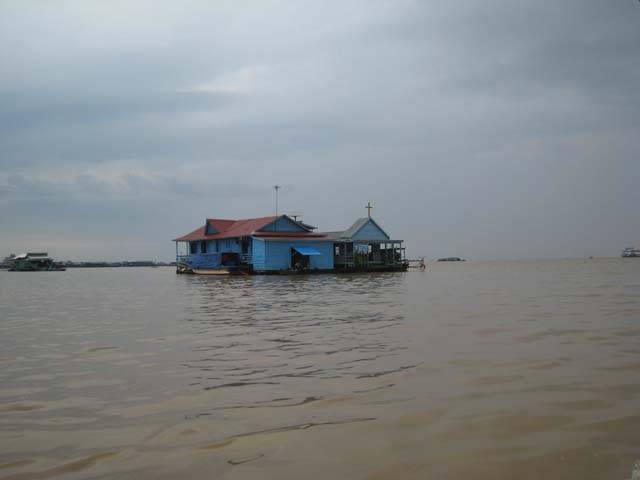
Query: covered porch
[(193, 255), (369, 255)]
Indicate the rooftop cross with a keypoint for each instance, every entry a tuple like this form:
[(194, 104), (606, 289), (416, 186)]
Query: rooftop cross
[(368, 206)]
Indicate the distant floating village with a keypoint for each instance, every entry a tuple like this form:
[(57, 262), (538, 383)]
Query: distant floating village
[(278, 244), (41, 261), (284, 244)]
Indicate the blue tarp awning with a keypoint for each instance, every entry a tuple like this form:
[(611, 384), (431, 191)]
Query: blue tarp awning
[(307, 251)]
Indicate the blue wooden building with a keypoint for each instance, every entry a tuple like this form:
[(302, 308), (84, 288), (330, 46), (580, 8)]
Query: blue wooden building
[(267, 244), (281, 243), (366, 246)]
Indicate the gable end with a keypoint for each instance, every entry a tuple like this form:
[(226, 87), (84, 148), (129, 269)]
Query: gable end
[(210, 229), (284, 224), (370, 230)]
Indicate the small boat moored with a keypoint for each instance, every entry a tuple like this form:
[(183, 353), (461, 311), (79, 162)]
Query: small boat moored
[(451, 259)]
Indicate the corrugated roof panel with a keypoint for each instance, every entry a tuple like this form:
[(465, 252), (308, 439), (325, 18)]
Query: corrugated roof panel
[(242, 228)]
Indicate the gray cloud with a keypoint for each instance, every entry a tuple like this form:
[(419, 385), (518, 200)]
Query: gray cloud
[(33, 109), (492, 129)]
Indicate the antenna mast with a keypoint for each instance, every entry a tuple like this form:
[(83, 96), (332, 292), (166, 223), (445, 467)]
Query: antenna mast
[(277, 187)]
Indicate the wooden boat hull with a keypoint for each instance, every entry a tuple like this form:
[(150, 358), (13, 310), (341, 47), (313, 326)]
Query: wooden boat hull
[(203, 271)]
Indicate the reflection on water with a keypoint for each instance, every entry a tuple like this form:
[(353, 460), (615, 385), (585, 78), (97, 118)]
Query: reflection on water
[(477, 370), (310, 337)]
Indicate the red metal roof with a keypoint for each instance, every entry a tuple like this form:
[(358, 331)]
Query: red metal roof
[(245, 228), (314, 238), (289, 233), (197, 234)]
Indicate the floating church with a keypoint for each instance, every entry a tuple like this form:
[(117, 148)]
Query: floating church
[(282, 244)]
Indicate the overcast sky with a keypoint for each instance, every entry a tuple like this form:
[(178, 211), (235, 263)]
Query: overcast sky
[(484, 129)]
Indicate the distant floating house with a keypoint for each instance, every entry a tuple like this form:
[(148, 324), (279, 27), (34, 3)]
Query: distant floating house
[(284, 244), (34, 262)]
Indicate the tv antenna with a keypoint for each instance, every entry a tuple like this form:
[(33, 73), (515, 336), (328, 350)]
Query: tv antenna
[(276, 188)]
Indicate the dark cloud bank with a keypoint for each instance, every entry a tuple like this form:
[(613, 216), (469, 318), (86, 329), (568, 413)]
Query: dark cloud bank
[(498, 129)]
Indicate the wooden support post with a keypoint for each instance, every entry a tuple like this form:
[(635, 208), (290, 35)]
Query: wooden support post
[(344, 254)]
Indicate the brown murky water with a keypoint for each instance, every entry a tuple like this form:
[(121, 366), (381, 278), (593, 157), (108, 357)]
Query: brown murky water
[(496, 370)]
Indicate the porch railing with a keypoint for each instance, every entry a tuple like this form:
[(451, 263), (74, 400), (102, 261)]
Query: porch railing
[(343, 259), (397, 259), (183, 258), (245, 258)]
